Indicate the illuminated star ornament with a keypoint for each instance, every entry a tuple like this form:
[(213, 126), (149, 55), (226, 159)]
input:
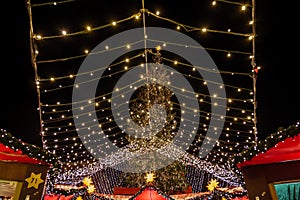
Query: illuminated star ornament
[(87, 181), (34, 180), (213, 183), (150, 177)]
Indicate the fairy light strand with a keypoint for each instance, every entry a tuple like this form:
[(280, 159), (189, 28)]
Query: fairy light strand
[(253, 63), (56, 122), (34, 64)]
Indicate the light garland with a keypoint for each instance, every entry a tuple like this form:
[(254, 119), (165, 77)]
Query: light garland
[(60, 135)]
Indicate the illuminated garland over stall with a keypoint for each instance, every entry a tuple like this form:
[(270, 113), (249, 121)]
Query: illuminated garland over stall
[(57, 57), (270, 141), (32, 151)]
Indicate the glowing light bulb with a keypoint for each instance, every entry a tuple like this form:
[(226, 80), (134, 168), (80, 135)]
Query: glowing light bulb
[(88, 28), (243, 7), (157, 13), (39, 37), (64, 32), (214, 3), (204, 29), (114, 23)]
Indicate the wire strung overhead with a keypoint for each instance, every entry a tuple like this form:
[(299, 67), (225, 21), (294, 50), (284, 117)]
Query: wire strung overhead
[(57, 58)]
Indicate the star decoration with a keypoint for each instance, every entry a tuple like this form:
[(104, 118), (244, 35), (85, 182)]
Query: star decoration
[(34, 180), (150, 177), (87, 181), (213, 183), (91, 189)]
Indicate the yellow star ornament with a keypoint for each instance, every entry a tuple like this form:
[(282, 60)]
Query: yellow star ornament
[(34, 180), (213, 183), (91, 189), (87, 181), (150, 177)]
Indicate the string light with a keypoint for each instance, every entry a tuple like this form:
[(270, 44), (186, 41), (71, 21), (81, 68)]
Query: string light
[(58, 128)]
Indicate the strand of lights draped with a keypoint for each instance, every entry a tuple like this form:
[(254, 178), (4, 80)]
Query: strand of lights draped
[(60, 46)]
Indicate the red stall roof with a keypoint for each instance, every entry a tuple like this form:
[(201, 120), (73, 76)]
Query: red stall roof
[(9, 155), (286, 150)]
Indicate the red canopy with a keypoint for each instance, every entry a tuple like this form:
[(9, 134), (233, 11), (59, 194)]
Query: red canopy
[(286, 150), (149, 193), (9, 155)]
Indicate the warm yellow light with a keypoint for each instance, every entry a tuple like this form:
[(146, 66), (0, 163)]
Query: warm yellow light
[(91, 189), (150, 177), (175, 62), (204, 29), (158, 48), (251, 22), (213, 183), (228, 55), (39, 37), (114, 23), (52, 79), (64, 32), (87, 181), (88, 28), (157, 13), (243, 7), (86, 51), (214, 3), (178, 27)]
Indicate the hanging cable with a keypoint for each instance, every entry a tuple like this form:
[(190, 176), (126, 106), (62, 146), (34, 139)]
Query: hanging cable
[(33, 53), (253, 63)]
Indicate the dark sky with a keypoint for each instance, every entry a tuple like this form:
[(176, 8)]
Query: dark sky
[(277, 87)]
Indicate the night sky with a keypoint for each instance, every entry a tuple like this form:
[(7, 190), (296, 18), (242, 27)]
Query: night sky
[(277, 86)]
